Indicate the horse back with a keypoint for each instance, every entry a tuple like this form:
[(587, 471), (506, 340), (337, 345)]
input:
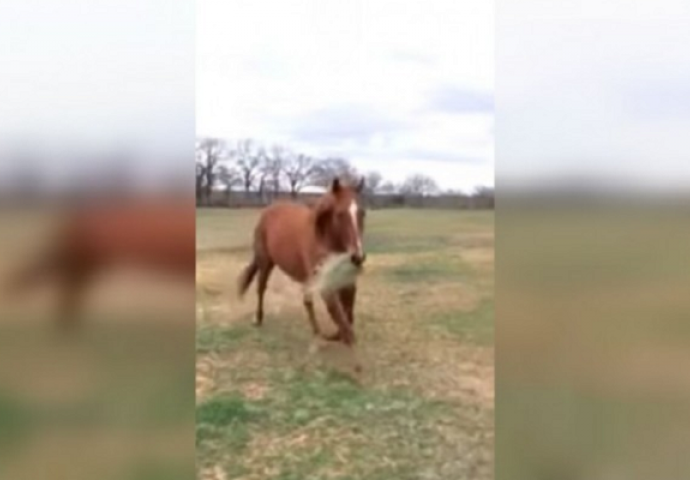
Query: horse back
[(156, 235)]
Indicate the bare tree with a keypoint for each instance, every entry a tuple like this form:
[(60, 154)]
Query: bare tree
[(275, 166), (229, 177), (388, 187), (263, 171), (209, 152), (329, 168), (298, 170), (373, 181), (247, 162), (419, 184), (199, 181), (481, 191), (484, 197)]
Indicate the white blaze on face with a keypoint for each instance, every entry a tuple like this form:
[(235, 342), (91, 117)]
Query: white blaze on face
[(354, 210)]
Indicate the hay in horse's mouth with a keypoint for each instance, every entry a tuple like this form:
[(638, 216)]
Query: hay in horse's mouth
[(335, 272)]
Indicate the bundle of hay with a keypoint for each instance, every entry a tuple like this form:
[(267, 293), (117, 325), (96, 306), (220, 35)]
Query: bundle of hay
[(335, 272)]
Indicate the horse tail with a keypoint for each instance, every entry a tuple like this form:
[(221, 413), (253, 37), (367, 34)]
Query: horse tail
[(247, 276)]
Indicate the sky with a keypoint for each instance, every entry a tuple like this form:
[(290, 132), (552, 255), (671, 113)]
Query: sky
[(86, 78), (397, 87), (581, 85), (598, 89)]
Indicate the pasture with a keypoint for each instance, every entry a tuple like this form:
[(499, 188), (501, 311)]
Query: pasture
[(119, 393), (423, 407)]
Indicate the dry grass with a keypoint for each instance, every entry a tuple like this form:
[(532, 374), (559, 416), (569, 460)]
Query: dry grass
[(423, 408)]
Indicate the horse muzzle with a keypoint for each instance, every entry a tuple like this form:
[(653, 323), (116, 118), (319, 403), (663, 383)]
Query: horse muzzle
[(358, 259)]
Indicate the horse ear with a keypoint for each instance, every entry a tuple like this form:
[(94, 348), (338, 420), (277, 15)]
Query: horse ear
[(360, 185), (335, 186)]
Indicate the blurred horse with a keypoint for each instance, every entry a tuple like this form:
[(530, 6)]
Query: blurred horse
[(297, 237), (150, 235)]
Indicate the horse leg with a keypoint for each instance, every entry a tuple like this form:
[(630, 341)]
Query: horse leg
[(265, 269), (338, 315), (308, 302), (73, 283), (337, 312), (347, 299)]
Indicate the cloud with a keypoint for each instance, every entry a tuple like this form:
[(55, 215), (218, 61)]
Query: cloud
[(411, 56), (454, 99), (348, 123), (379, 82), (598, 91)]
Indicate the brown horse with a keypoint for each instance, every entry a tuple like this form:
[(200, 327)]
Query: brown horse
[(151, 235), (297, 237)]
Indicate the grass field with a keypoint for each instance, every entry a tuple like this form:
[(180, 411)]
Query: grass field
[(423, 408), (114, 402)]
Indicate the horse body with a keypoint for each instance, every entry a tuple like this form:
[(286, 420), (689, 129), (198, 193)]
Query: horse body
[(296, 237), (285, 238), (152, 236)]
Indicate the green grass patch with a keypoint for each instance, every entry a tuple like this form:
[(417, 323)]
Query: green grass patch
[(224, 411), (436, 271), (475, 326), (222, 424), (394, 423), (162, 471), (311, 396), (548, 430), (213, 338), (390, 243)]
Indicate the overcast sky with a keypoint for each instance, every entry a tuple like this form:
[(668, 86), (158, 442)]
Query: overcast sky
[(398, 87), (95, 76), (594, 87)]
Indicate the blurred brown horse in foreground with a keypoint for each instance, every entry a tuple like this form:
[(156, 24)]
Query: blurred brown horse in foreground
[(297, 237), (152, 235)]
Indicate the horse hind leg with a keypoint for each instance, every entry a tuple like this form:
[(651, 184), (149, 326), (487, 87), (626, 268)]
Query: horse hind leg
[(265, 269)]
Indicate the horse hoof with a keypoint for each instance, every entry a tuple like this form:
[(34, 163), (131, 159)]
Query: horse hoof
[(334, 337)]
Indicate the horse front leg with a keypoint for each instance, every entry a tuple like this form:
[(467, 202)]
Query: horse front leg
[(308, 302), (345, 331), (340, 318), (347, 299)]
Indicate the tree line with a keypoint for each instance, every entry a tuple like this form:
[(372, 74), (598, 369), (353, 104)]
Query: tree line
[(250, 166)]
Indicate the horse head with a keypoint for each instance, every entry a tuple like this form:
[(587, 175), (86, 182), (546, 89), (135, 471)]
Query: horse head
[(339, 219)]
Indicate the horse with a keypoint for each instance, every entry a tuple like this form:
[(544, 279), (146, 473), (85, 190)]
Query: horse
[(296, 238), (155, 236)]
